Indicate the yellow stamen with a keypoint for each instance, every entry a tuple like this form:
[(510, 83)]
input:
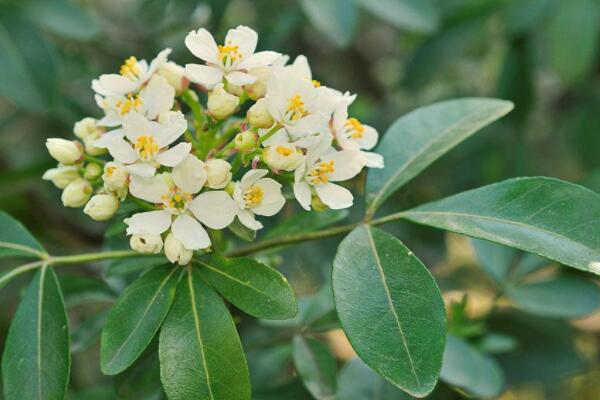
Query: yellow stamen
[(229, 53), (176, 200), (132, 102), (316, 83), (130, 68), (146, 147), (295, 108), (110, 170), (253, 196), (356, 128), (320, 172), (283, 150)]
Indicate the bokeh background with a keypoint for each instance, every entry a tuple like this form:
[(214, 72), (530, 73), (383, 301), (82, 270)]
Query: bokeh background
[(397, 55)]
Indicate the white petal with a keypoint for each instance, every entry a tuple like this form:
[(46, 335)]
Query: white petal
[(302, 193), (157, 97), (243, 37), (172, 124), (318, 149), (240, 78), (202, 44), (214, 209), (204, 75), (151, 189), (121, 150), (334, 196), (135, 125), (301, 67), (159, 60), (252, 176), (190, 174), (258, 60), (117, 84), (278, 137), (190, 233), (174, 155), (151, 223), (103, 140), (369, 138), (346, 163), (313, 123), (141, 169), (272, 200), (372, 160), (247, 219)]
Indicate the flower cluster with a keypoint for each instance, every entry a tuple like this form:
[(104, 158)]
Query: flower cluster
[(267, 129)]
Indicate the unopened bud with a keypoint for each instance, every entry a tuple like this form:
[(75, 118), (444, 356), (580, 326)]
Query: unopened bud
[(146, 243), (282, 157), (102, 207), (87, 127), (91, 148), (258, 89), (246, 141), (218, 173), (62, 175), (222, 104), (64, 151), (175, 76), (175, 251), (92, 171), (77, 193), (258, 115), (115, 177)]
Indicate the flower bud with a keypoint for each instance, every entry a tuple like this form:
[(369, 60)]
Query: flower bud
[(116, 178), (235, 89), (246, 141), (222, 104), (102, 207), (146, 243), (91, 148), (282, 157), (175, 251), (87, 127), (77, 193), (64, 151), (62, 175), (258, 115), (218, 173), (92, 171), (317, 204), (258, 89), (175, 76)]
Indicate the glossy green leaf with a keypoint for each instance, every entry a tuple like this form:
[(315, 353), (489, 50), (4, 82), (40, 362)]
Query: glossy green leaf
[(136, 317), (419, 138), (78, 290), (251, 286), (496, 343), (464, 366), (36, 359), (201, 356), (575, 22), (390, 308), (335, 19), (316, 367), (131, 265), (303, 222), (561, 297), (549, 217), (495, 259), (359, 382), (88, 332), (15, 239), (420, 16), (62, 17)]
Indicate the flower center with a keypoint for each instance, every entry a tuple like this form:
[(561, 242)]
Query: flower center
[(146, 147), (110, 170), (130, 68), (319, 173), (176, 201), (295, 108), (354, 128), (132, 102), (316, 83), (229, 53), (253, 196), (283, 150)]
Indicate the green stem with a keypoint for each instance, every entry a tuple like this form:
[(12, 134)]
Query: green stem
[(96, 160), (270, 133), (144, 205)]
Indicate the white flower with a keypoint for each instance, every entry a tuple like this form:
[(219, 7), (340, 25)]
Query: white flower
[(62, 175), (220, 103), (148, 143), (282, 157), (255, 194), (116, 179), (218, 173), (351, 134), (175, 251), (231, 61), (154, 99), (64, 151), (132, 75), (102, 207), (146, 243), (320, 168), (77, 193), (175, 75), (258, 115), (181, 211)]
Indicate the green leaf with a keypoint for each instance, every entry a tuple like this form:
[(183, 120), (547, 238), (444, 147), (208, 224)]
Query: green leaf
[(335, 19), (242, 231), (88, 332), (131, 265), (201, 356), (496, 343), (15, 239), (142, 379), (62, 17), (495, 259), (549, 217), (36, 359), (316, 366), (560, 297), (78, 290), (269, 367), (575, 22), (136, 317), (251, 286), (419, 138), (390, 308), (359, 382), (465, 367), (303, 222), (419, 16)]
